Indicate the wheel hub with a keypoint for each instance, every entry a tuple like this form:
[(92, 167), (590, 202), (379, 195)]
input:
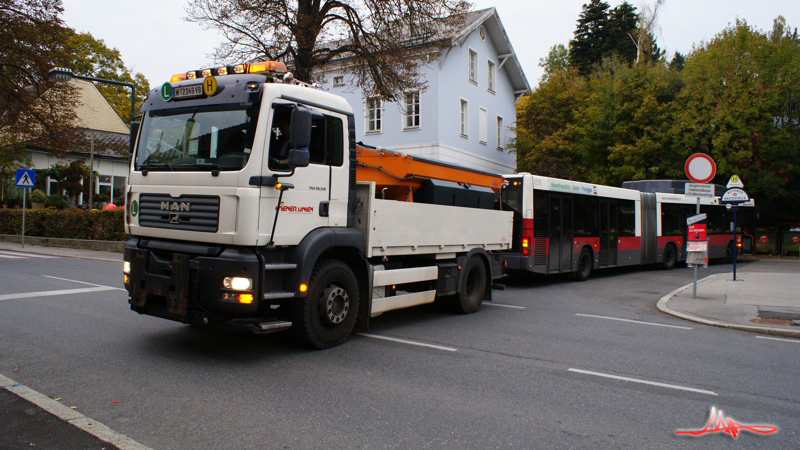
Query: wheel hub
[(336, 304)]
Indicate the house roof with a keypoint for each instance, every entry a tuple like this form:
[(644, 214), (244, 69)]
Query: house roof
[(490, 20), (93, 112)]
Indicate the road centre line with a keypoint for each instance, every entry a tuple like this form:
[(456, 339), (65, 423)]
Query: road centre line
[(82, 282), (636, 380), (635, 321), (504, 306), (796, 341), (53, 293), (405, 341)]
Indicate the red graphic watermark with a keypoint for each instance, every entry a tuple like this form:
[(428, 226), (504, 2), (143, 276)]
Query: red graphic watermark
[(718, 423)]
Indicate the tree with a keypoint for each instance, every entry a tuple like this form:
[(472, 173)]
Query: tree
[(557, 59), (381, 41), (646, 48), (91, 57), (588, 47), (740, 104), (32, 109)]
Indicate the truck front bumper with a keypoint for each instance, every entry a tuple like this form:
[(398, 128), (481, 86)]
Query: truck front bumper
[(185, 284)]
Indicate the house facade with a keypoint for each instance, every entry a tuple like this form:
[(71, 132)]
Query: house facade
[(103, 146), (466, 111)]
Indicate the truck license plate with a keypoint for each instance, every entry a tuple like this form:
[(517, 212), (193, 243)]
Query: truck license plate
[(194, 90)]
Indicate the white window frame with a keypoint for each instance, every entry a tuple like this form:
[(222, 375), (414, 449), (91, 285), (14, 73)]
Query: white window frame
[(492, 79), (463, 114), (472, 66), (373, 124), (483, 125), (338, 80), (415, 113), (500, 133)]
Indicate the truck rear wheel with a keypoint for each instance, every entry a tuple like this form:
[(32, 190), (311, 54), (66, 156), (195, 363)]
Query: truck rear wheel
[(472, 288), (327, 315)]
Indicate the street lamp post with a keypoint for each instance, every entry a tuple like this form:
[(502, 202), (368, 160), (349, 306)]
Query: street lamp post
[(61, 74)]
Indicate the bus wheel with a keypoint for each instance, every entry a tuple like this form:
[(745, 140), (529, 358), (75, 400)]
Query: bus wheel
[(472, 288), (670, 257), (327, 315), (584, 266)]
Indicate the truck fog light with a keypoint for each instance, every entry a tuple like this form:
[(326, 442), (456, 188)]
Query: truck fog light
[(246, 298), (125, 278), (238, 283), (126, 267)]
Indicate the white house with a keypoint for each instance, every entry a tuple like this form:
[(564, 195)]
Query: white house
[(105, 134), (464, 114)]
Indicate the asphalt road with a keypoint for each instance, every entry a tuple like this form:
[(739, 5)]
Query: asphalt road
[(531, 370)]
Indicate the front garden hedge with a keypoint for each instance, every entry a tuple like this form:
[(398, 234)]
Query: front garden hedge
[(67, 223)]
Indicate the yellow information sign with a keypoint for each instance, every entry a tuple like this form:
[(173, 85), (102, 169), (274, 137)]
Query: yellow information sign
[(210, 86)]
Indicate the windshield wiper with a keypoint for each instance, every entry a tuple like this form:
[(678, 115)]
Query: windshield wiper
[(215, 168), (154, 166)]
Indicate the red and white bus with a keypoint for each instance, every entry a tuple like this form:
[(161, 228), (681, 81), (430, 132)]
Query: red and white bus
[(563, 226)]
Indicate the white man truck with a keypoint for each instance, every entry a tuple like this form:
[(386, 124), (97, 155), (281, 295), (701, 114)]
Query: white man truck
[(251, 208)]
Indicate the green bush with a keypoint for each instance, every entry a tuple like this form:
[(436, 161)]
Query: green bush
[(56, 201), (68, 223), (38, 196)]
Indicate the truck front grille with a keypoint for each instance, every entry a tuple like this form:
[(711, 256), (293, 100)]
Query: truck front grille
[(186, 212)]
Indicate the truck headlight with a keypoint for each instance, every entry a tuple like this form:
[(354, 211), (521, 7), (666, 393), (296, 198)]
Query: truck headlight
[(126, 267), (238, 283)]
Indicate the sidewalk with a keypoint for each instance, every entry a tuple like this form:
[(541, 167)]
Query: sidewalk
[(64, 252), (765, 298)]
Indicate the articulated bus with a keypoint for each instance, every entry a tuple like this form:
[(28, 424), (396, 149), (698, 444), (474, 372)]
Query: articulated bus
[(563, 226)]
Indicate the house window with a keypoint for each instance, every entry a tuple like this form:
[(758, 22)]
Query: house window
[(338, 81), (491, 77), (500, 143), (374, 115), (411, 110), (482, 34), (473, 66), (464, 118), (483, 130)]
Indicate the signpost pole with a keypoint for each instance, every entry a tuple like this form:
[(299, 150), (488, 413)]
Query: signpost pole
[(735, 242), (694, 288), (24, 203)]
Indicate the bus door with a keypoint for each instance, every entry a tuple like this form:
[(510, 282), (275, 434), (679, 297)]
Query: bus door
[(608, 233), (560, 234)]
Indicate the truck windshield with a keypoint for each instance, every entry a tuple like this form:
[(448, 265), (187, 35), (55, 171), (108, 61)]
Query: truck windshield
[(198, 139)]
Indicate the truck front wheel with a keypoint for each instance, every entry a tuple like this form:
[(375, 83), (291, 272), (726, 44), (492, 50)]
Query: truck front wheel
[(326, 316)]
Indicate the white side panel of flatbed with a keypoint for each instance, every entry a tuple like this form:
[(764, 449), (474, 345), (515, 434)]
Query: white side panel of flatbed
[(401, 228)]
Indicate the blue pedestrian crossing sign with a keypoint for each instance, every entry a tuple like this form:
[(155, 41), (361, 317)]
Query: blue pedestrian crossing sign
[(25, 178)]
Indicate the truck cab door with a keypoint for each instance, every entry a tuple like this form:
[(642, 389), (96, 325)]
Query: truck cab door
[(315, 201)]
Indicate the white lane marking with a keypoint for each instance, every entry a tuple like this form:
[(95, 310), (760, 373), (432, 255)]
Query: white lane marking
[(24, 255), (635, 321), (796, 341), (500, 304), (635, 380), (52, 293), (73, 417), (83, 282), (405, 341), (11, 257)]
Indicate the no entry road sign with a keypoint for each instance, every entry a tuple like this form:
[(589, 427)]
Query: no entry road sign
[(700, 168)]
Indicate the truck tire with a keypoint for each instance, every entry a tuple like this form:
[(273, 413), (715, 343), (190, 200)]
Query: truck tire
[(472, 288), (670, 257), (584, 266), (327, 315)]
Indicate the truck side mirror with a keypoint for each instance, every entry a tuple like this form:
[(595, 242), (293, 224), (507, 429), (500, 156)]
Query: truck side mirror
[(300, 136), (134, 132), (298, 157)]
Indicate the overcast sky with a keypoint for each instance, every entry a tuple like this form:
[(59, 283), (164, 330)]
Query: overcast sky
[(154, 39)]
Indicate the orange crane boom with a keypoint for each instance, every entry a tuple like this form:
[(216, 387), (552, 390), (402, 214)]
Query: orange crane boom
[(398, 175)]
